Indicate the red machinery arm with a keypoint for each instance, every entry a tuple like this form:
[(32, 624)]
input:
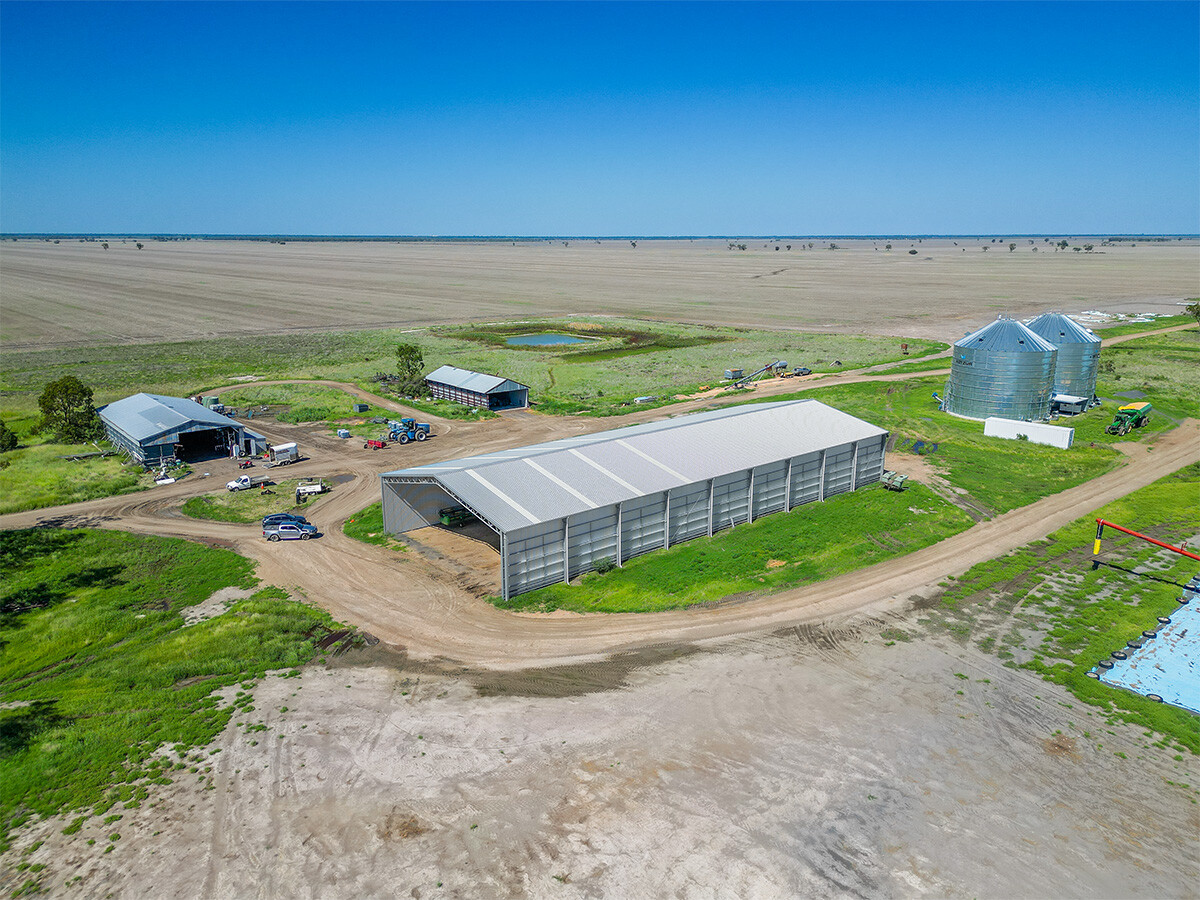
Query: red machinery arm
[(1102, 523)]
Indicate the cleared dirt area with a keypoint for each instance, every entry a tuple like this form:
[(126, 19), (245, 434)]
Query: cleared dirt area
[(432, 608), (76, 293), (816, 761)]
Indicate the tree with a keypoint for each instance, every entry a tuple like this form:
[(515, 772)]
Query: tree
[(1012, 247), (67, 410), (410, 363), (105, 245), (1193, 310), (887, 247), (139, 246), (8, 438), (914, 252)]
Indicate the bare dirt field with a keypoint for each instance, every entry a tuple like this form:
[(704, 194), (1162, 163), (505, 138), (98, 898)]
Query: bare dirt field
[(813, 762), (779, 747), (76, 293)]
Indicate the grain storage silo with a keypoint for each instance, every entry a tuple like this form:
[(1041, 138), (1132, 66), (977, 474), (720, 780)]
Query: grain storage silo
[(1003, 370), (1078, 354)]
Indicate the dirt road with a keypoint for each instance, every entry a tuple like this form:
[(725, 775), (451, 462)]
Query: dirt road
[(426, 610)]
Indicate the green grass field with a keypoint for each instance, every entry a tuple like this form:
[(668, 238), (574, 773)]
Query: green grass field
[(33, 476), (998, 474), (1044, 607), (682, 356), (250, 505), (106, 692), (300, 402), (776, 552), (367, 526)]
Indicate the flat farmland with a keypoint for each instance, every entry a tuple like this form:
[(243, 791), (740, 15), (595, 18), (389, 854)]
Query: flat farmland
[(78, 294)]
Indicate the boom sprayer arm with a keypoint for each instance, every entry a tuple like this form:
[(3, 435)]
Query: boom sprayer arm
[(1101, 524)]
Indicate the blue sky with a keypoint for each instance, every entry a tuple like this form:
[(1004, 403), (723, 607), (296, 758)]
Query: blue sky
[(600, 119)]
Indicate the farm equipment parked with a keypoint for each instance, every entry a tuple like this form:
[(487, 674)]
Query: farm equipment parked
[(455, 516), (408, 429), (894, 481), (1128, 417), (310, 487), (245, 482), (373, 444), (283, 454)]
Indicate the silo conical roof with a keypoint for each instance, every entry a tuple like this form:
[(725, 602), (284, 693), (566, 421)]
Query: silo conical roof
[(1078, 354), (1005, 335), (1004, 370), (1060, 329)]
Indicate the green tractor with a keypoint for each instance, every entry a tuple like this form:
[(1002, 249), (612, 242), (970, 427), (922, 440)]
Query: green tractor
[(1128, 417)]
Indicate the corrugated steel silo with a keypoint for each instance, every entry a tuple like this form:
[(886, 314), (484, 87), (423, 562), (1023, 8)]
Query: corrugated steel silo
[(1078, 353), (1004, 370)]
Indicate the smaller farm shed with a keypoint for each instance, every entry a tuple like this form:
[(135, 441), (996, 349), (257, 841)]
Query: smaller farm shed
[(152, 428), (477, 389)]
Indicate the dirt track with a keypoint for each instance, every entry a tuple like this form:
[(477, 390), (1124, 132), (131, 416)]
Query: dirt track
[(425, 609)]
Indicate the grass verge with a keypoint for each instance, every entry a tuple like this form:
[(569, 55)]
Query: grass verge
[(367, 526), (776, 552), (106, 689), (300, 402), (248, 506), (1045, 607), (33, 476), (998, 475)]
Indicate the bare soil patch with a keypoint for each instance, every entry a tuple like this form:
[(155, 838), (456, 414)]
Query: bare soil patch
[(813, 762), (79, 294)]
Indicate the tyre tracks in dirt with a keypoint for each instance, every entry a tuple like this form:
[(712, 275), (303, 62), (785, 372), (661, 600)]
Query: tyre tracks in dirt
[(422, 609)]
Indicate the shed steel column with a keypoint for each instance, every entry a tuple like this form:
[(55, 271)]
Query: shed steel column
[(504, 566), (566, 556), (787, 487), (750, 500), (821, 487), (667, 520), (620, 561), (854, 466), (712, 489)]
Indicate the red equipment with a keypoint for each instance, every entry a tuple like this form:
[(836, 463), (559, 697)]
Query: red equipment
[(1101, 524), (374, 444)]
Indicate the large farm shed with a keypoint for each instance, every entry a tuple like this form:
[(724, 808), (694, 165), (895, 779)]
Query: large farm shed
[(152, 428), (477, 389), (564, 507)]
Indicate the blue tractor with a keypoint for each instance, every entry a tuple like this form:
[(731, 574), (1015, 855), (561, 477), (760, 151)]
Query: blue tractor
[(408, 429)]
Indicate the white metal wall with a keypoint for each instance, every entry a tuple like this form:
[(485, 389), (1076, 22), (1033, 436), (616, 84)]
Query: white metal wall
[(642, 525), (534, 557)]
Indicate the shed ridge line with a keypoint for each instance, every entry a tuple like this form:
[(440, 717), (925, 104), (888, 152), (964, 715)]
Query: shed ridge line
[(562, 484)]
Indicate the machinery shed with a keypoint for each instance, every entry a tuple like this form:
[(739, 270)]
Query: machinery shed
[(477, 389), (152, 429), (565, 507)]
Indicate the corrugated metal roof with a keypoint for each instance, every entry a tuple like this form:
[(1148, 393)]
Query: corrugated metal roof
[(526, 486), (1005, 336), (146, 416), (1059, 329), (473, 381)]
